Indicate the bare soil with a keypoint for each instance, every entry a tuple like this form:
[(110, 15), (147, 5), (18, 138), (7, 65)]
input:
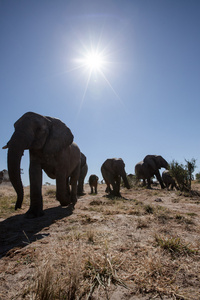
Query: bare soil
[(106, 248)]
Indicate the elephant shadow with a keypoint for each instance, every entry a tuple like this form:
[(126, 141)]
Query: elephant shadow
[(17, 231), (113, 197)]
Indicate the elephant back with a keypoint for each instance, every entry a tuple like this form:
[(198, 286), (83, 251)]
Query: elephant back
[(60, 137)]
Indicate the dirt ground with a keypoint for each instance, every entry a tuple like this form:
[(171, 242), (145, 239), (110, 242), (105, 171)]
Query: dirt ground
[(124, 242)]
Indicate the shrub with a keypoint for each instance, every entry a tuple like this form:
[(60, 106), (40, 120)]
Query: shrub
[(183, 174), (198, 177)]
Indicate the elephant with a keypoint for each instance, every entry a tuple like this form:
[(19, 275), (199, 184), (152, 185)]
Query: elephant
[(1, 177), (93, 182), (149, 167), (83, 173), (4, 177), (168, 180), (51, 148), (112, 170)]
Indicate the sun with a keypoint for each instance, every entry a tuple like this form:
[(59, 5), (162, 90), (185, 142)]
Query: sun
[(95, 65), (94, 61)]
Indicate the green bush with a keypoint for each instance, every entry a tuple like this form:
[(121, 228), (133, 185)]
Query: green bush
[(198, 177), (183, 173)]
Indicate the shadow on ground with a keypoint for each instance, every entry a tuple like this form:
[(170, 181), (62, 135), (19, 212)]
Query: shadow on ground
[(17, 231)]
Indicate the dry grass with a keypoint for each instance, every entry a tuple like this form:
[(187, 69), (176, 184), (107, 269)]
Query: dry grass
[(175, 246), (132, 247)]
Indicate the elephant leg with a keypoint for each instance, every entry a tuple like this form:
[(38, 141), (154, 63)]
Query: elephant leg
[(91, 189), (80, 187), (73, 182), (62, 189), (106, 176), (95, 189), (116, 186), (149, 183), (108, 188), (157, 173), (36, 202), (144, 182), (115, 190), (68, 189)]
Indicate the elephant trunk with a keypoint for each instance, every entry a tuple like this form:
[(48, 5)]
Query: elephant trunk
[(125, 180), (15, 152)]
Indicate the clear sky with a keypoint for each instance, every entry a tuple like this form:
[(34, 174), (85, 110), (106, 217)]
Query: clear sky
[(142, 98)]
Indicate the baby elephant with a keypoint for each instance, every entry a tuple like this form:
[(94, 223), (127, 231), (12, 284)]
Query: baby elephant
[(168, 180), (93, 182)]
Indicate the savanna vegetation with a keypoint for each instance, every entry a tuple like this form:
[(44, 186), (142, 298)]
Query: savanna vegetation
[(183, 174), (144, 245)]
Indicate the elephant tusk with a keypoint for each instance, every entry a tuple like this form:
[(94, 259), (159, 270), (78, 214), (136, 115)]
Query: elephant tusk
[(5, 147)]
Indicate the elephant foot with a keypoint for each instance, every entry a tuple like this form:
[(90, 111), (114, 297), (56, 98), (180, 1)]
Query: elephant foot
[(118, 195), (73, 200), (71, 208), (64, 203), (81, 194), (18, 206), (32, 213), (108, 190), (115, 194)]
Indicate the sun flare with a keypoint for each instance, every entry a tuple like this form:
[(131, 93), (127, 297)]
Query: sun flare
[(96, 65), (94, 61)]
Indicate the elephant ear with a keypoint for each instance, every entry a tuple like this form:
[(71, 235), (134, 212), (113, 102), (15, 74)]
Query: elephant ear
[(60, 136), (150, 160), (108, 165)]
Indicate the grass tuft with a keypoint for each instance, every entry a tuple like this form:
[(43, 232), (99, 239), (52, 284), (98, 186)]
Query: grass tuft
[(101, 272), (149, 209), (174, 246)]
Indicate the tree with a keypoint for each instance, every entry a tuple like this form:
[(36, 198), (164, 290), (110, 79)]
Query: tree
[(183, 173), (190, 167)]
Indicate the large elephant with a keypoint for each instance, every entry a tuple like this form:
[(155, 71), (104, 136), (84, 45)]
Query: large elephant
[(93, 182), (51, 149), (112, 170), (83, 173), (149, 167), (169, 180)]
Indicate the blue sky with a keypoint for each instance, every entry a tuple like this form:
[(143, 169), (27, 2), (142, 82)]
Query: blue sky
[(145, 98)]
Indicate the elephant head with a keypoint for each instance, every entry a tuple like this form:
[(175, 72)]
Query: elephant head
[(35, 132), (155, 162)]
